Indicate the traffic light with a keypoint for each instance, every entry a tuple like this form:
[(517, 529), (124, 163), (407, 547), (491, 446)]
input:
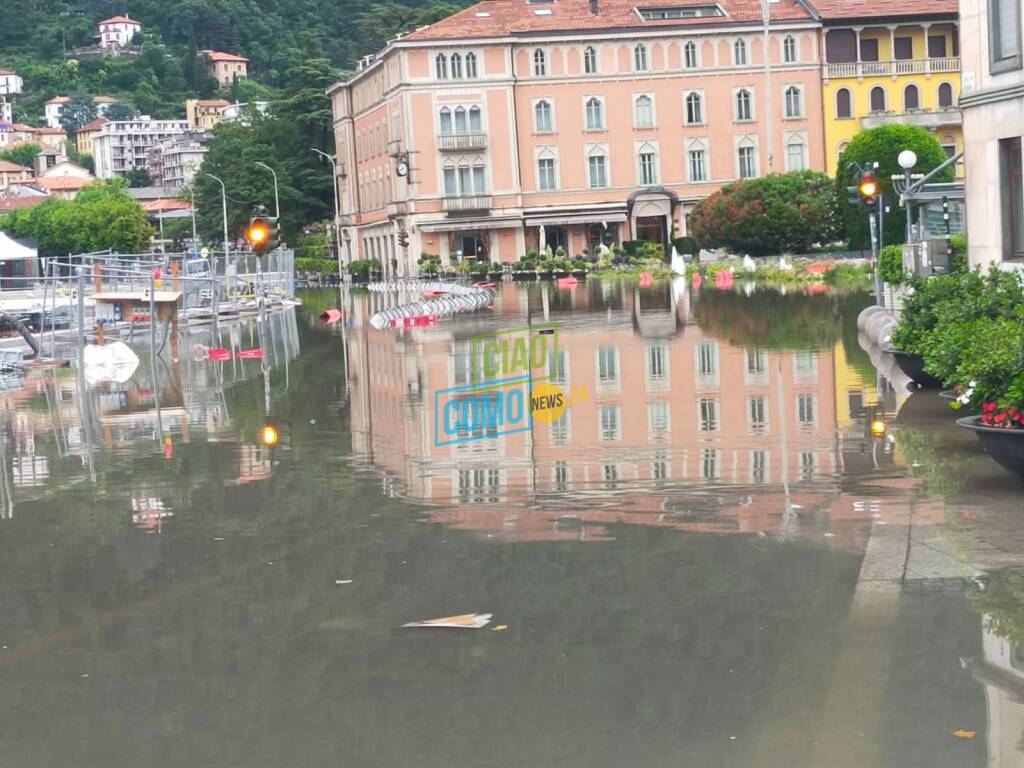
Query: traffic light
[(262, 232), (868, 187), (403, 237)]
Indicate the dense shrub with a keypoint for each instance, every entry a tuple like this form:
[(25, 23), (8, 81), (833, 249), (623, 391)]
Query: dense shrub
[(782, 213), (363, 267), (685, 246), (318, 266), (890, 265)]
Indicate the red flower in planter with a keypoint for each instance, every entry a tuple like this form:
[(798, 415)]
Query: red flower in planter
[(988, 407)]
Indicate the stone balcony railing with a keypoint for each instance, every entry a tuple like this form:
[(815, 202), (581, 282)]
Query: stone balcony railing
[(925, 118), (462, 142), (892, 68), (467, 203)]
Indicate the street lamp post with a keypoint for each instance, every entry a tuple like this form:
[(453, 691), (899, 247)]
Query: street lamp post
[(337, 207), (224, 211), (195, 237), (907, 160), (768, 132), (277, 201)]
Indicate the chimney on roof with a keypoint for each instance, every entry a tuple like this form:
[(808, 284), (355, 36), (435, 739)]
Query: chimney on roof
[(593, 7)]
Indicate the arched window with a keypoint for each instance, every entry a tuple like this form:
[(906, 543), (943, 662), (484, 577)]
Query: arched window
[(456, 67), (739, 53), (795, 156), (878, 99), (647, 165), (446, 120), (542, 122), (690, 55), (794, 102), (694, 109), (746, 159), (475, 124), (744, 110), (590, 60), (644, 109), (844, 105), (640, 58), (471, 65), (595, 114), (597, 169), (540, 65), (911, 98), (441, 65), (945, 95), (789, 49), (697, 162), (460, 120)]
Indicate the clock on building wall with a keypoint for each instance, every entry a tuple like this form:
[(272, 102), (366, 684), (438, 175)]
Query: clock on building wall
[(402, 166)]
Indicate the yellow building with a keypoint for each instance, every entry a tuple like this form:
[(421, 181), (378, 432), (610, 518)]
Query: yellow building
[(900, 64)]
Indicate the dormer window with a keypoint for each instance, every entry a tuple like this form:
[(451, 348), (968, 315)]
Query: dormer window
[(679, 12)]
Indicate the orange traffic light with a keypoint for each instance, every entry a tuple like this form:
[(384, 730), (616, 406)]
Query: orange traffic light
[(269, 435), (257, 233), (868, 187)]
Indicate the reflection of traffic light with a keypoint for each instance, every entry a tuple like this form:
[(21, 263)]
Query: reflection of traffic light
[(269, 435), (868, 187), (262, 232), (874, 422), (403, 237)]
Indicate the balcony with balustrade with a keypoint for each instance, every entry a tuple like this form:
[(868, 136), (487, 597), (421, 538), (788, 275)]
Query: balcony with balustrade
[(457, 204), (472, 141), (893, 68), (925, 118)]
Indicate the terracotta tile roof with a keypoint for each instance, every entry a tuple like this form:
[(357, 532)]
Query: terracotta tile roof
[(60, 183), (103, 100), (519, 18), (213, 103), (120, 20), (221, 56), (8, 167), (11, 203), (7, 72), (166, 204), (93, 125), (868, 9), (49, 131), (58, 100)]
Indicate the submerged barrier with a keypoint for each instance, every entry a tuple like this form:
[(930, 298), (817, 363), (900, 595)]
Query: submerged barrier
[(438, 299)]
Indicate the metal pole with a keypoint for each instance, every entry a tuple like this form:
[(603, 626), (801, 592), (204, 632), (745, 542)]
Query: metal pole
[(949, 231), (769, 137), (277, 202), (224, 212), (337, 206), (195, 237), (152, 357), (906, 205), (81, 317), (872, 218)]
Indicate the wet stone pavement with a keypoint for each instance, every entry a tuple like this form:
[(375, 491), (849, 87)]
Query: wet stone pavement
[(706, 559)]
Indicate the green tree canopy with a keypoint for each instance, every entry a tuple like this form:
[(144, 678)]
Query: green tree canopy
[(883, 145), (23, 154), (101, 216), (782, 213), (78, 110)]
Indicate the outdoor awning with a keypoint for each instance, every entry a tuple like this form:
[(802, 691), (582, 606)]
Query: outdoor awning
[(462, 224), (12, 250), (567, 219)]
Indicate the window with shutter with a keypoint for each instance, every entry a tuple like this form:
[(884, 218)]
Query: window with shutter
[(1004, 35)]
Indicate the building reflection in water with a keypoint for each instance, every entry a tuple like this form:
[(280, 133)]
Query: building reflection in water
[(55, 432), (682, 427)]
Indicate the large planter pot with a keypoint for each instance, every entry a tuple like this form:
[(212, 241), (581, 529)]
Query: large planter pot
[(524, 275), (360, 277), (913, 366), (1006, 446)]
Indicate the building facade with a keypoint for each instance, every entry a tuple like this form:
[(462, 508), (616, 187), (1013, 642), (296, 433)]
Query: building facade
[(226, 68), (173, 162), (10, 82), (122, 146), (83, 136), (117, 32), (203, 114), (892, 63), (12, 172), (541, 124), (993, 109), (53, 110)]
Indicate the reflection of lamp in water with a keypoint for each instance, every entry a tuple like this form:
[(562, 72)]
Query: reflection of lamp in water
[(877, 427), (269, 435)]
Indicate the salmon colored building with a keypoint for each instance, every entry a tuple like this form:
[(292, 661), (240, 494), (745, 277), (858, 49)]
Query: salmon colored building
[(569, 123)]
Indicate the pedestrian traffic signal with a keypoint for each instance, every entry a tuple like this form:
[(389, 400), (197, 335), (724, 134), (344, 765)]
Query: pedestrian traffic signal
[(262, 233), (868, 187), (403, 237)]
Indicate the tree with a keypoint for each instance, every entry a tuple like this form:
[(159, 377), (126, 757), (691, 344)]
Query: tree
[(23, 154), (138, 177), (119, 111), (883, 145), (78, 110), (782, 213), (101, 216)]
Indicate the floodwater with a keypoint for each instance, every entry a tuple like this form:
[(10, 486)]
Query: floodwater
[(708, 560)]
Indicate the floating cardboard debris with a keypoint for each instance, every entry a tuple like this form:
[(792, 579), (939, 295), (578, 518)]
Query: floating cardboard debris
[(463, 621), (962, 734)]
